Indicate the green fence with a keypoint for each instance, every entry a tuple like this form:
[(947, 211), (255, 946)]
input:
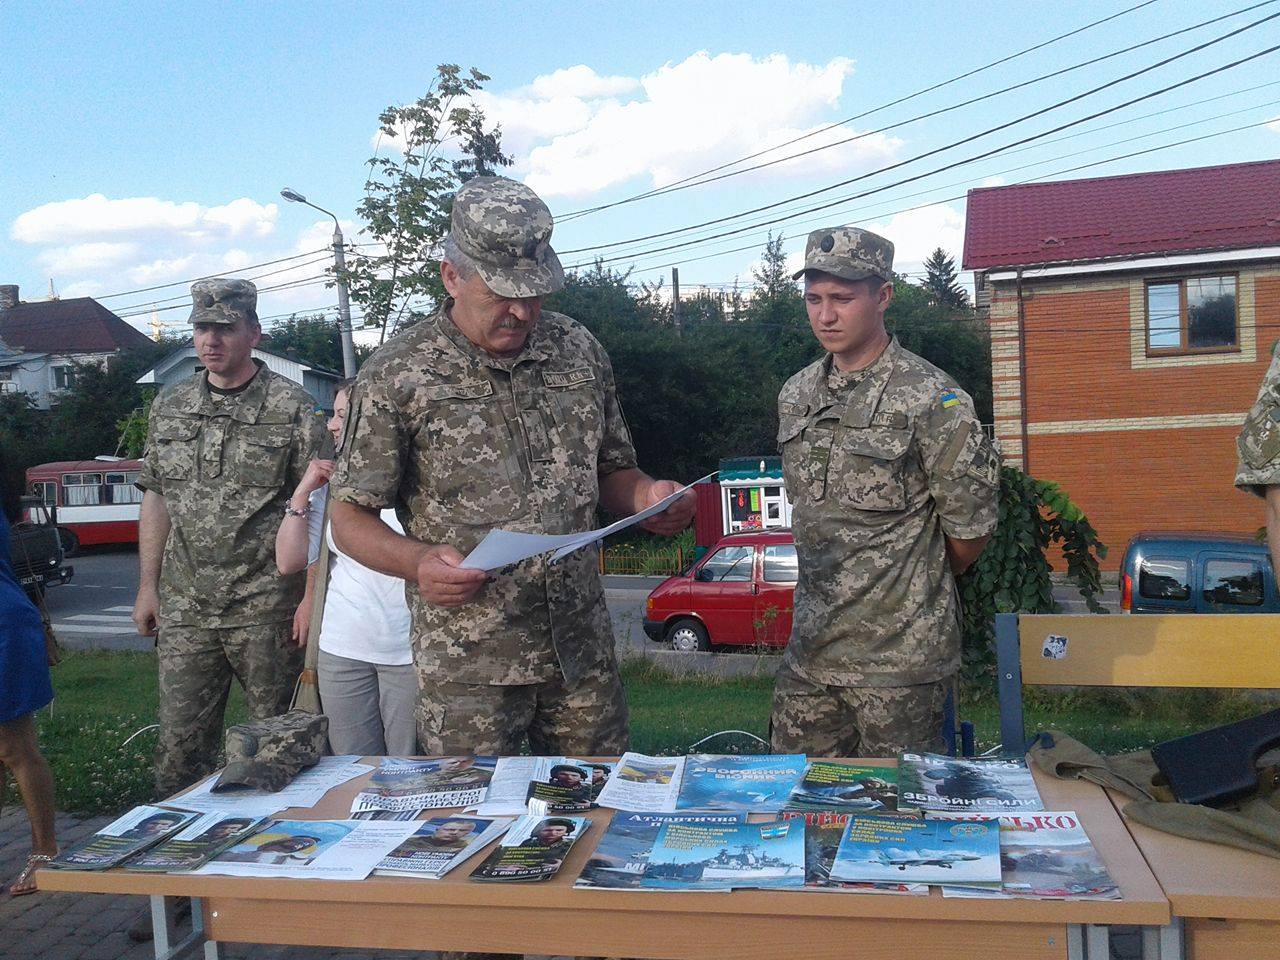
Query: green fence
[(641, 562)]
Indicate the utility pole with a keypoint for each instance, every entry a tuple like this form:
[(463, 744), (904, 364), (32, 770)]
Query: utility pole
[(340, 274), (675, 298)]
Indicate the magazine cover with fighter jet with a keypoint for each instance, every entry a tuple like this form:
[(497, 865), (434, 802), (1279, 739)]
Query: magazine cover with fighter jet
[(822, 833), (1045, 856), (930, 781), (691, 856), (836, 786), (876, 849), (619, 860), (753, 783)]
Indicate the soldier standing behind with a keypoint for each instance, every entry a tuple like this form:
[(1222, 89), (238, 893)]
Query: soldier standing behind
[(495, 413), (224, 451), (894, 489), (1258, 470)]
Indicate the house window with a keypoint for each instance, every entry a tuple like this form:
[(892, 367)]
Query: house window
[(1195, 315), (64, 376)]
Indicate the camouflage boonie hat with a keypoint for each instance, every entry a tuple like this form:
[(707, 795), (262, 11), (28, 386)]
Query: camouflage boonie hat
[(848, 253), (267, 754), (506, 229), (220, 300)]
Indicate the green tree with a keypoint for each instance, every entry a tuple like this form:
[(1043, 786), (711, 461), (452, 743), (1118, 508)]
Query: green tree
[(775, 300), (407, 197), (1012, 575), (83, 422), (940, 280), (312, 339)]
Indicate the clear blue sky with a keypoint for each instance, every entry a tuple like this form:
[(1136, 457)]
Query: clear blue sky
[(186, 119)]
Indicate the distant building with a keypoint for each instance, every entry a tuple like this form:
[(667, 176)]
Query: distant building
[(320, 382), (1131, 319), (41, 342)]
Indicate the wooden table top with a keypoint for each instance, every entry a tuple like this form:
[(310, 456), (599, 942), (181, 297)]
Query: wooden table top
[(1202, 879), (1142, 900)]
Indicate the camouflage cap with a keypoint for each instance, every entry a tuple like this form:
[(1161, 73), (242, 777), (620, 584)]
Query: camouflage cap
[(506, 229), (848, 253), (267, 754), (222, 300)]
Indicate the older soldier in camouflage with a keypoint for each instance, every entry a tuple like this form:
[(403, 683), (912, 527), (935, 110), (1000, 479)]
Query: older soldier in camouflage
[(224, 451), (495, 413), (1259, 448), (894, 490)]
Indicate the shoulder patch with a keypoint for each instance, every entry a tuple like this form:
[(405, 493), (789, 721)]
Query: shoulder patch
[(948, 399)]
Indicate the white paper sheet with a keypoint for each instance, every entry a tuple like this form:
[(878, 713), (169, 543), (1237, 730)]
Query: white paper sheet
[(321, 850), (502, 547), (642, 783)]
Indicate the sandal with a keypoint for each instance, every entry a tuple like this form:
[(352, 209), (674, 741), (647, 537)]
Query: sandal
[(24, 883)]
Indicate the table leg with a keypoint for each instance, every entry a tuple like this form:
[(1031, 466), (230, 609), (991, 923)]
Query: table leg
[(1171, 943), (1075, 942), (1098, 940), (164, 931), (212, 948)]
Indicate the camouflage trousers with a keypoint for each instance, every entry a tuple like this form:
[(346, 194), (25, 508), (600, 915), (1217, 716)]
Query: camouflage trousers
[(588, 719), (196, 667), (833, 721)]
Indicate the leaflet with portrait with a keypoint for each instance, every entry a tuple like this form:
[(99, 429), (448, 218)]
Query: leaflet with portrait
[(534, 849), (312, 849), (440, 844), (199, 843), (122, 838), (400, 784)]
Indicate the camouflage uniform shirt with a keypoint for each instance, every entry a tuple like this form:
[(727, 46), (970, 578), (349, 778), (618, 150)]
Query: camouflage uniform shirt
[(461, 442), (226, 470), (1259, 440), (879, 465)]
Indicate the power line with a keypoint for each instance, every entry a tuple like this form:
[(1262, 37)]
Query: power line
[(976, 136), (961, 196), (865, 113), (210, 276), (694, 182), (186, 297), (288, 285)]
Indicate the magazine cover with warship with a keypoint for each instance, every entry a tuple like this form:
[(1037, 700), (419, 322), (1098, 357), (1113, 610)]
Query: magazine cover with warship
[(619, 860), (689, 856)]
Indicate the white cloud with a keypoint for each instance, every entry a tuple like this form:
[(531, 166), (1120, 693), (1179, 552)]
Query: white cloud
[(917, 233), (83, 257), (581, 82), (96, 217), (1274, 126), (699, 112)]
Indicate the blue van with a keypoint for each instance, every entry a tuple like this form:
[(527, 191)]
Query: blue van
[(1197, 573)]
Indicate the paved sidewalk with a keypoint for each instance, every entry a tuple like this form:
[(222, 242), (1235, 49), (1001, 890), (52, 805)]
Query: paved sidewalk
[(69, 926)]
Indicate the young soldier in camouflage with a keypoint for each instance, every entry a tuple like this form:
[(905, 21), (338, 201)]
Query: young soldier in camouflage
[(224, 451), (894, 490), (494, 413), (1259, 447)]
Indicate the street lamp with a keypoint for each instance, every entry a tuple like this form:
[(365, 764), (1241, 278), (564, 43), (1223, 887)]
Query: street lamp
[(340, 272)]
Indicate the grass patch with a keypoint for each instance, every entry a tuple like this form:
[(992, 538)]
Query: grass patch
[(104, 698)]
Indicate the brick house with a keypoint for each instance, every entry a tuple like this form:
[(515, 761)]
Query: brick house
[(1132, 319)]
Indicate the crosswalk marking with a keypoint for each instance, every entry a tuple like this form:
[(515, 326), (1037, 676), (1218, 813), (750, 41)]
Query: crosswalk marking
[(99, 631), (101, 618), (118, 610)]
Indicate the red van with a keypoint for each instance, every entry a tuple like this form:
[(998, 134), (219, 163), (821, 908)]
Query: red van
[(739, 594)]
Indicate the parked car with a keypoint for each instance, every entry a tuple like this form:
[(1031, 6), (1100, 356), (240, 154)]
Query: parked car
[(739, 593), (35, 550), (1197, 573)]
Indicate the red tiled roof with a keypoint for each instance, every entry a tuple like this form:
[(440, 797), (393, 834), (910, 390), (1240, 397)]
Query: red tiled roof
[(79, 325), (1229, 207)]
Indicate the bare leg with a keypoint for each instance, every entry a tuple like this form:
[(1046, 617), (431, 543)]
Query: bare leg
[(20, 753)]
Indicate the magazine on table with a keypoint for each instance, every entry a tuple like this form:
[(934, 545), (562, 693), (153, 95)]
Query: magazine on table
[(880, 848), (822, 833), (930, 781), (402, 784), (312, 849), (836, 786), (619, 859), (304, 790), (640, 783), (140, 828), (694, 856), (533, 849), (748, 782), (197, 844), (440, 844), (1044, 856), (508, 794)]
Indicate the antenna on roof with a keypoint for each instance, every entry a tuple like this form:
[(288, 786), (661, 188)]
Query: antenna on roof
[(53, 294)]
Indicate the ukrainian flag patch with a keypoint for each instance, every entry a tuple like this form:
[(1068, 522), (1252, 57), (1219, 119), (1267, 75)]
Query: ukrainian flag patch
[(948, 399)]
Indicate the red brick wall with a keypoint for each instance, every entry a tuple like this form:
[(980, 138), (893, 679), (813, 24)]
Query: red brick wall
[(1079, 367)]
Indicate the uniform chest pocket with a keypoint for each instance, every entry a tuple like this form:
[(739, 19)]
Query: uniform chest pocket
[(466, 452), (1259, 440), (795, 460), (258, 454), (175, 440), (578, 410), (871, 466)]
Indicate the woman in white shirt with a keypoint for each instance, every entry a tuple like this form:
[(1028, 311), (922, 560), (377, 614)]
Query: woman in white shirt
[(368, 688)]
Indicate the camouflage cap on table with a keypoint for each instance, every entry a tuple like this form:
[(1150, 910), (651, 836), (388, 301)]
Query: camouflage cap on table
[(506, 229), (848, 253), (267, 754), (222, 300)]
